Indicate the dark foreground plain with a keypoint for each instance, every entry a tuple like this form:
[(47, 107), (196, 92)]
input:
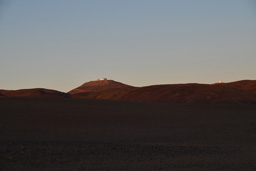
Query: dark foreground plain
[(79, 134)]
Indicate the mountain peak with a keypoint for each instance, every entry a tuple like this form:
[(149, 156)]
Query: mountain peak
[(98, 85)]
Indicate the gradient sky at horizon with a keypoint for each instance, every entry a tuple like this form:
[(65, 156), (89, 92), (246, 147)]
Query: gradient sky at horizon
[(60, 44)]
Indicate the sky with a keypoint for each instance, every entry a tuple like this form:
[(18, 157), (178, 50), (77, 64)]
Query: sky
[(60, 44)]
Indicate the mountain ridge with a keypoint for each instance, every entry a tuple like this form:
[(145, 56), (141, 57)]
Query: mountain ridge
[(243, 91), (234, 92)]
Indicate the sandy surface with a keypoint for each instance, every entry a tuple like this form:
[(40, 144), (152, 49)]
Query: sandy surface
[(80, 134)]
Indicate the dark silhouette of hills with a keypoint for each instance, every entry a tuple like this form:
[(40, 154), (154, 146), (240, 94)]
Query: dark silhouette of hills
[(36, 92), (98, 86), (235, 92), (82, 133)]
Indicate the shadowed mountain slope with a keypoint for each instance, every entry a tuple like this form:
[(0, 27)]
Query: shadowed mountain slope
[(37, 92), (235, 92), (98, 86)]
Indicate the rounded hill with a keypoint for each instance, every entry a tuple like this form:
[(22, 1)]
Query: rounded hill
[(98, 86)]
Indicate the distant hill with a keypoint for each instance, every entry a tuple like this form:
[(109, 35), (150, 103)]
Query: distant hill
[(37, 92), (235, 92), (245, 85), (98, 86)]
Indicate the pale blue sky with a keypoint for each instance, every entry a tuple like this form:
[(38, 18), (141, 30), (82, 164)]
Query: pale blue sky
[(60, 44)]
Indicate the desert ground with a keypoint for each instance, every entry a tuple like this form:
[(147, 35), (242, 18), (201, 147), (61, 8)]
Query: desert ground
[(78, 134)]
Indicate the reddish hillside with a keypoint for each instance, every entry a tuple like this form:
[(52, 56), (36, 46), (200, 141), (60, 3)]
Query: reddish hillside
[(98, 86), (245, 85), (181, 93), (37, 92)]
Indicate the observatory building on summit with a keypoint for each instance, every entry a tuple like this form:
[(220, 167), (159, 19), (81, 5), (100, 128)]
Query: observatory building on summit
[(102, 79)]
